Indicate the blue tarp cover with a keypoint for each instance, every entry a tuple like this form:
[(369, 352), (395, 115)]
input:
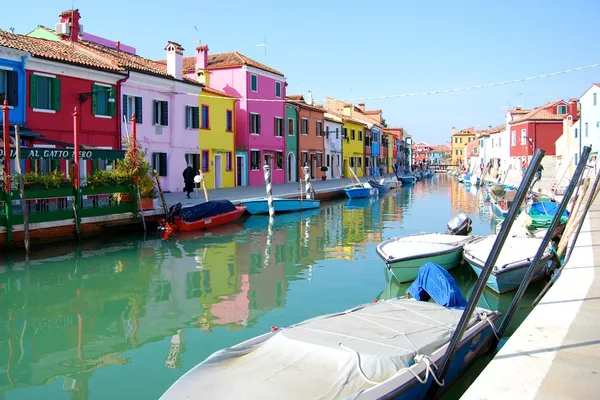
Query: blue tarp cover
[(435, 282), (547, 208), (206, 210)]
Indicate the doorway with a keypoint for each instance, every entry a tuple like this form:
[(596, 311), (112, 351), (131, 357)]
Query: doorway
[(240, 168), (268, 158), (218, 171), (291, 167)]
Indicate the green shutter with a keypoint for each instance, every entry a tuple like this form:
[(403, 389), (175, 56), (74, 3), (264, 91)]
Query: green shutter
[(112, 106), (258, 116), (138, 110), (165, 113), (55, 88), (54, 164), (33, 91), (195, 118), (94, 100), (125, 106)]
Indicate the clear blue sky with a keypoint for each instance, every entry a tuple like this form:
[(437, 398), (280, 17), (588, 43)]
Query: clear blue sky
[(355, 48)]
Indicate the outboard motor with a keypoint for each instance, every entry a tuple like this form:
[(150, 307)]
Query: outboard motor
[(174, 211), (459, 225)]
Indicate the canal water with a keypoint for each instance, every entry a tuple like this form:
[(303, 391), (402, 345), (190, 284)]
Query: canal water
[(125, 317)]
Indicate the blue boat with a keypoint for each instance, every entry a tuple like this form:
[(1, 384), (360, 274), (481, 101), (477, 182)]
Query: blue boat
[(358, 192), (382, 187), (407, 179), (281, 205)]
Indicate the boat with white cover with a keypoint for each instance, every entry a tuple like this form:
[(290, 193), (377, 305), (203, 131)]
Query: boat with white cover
[(513, 261), (405, 255), (387, 349)]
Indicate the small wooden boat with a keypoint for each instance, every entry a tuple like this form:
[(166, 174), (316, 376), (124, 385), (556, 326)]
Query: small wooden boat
[(357, 192), (385, 349), (511, 266), (497, 188), (543, 212), (459, 225), (405, 255), (407, 179), (200, 217), (382, 186), (281, 205)]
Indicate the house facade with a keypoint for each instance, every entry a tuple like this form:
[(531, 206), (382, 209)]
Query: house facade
[(333, 145), (260, 110), (352, 147), (368, 161), (311, 131), (458, 141), (291, 141), (13, 84), (375, 150)]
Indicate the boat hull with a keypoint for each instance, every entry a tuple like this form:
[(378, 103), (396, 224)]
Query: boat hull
[(261, 206), (358, 192), (206, 223), (407, 180), (509, 280), (407, 271), (383, 188)]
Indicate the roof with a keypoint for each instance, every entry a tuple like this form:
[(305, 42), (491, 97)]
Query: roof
[(298, 100), (217, 92), (541, 114), (496, 129), (465, 132), (232, 59), (440, 149), (346, 118), (297, 97), (56, 51)]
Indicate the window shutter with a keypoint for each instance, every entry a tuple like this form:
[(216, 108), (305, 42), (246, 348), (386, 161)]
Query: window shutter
[(138, 110), (195, 118), (250, 123), (12, 88), (165, 113), (125, 106), (163, 164), (258, 117), (33, 91), (55, 93), (275, 126), (54, 164), (112, 106), (94, 100)]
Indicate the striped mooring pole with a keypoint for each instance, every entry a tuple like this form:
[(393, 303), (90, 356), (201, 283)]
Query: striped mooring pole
[(267, 171), (309, 188)]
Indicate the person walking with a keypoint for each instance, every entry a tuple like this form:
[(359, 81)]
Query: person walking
[(538, 173), (188, 180)]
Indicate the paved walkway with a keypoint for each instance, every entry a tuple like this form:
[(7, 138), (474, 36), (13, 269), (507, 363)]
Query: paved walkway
[(555, 353)]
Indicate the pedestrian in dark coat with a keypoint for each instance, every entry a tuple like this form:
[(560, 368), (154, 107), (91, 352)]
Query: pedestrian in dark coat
[(188, 179)]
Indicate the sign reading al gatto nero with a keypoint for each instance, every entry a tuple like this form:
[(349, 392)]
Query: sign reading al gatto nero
[(63, 154)]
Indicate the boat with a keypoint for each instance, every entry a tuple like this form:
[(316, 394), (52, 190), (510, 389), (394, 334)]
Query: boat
[(201, 216), (361, 191), (385, 349), (382, 185), (497, 188), (543, 212), (474, 180), (513, 261), (405, 255), (407, 179), (281, 205), (459, 225)]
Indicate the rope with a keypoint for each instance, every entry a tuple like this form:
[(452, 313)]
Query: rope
[(486, 318)]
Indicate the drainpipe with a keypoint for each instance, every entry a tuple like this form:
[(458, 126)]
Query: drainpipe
[(580, 131), (234, 155), (118, 101)]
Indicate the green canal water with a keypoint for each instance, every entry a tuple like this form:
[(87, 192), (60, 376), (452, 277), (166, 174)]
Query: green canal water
[(125, 317)]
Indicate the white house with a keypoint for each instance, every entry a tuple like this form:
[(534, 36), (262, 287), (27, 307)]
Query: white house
[(333, 145)]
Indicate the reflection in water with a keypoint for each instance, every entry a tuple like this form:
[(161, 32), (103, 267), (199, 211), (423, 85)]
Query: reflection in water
[(125, 318)]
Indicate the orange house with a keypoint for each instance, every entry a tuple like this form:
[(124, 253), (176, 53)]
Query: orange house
[(311, 143)]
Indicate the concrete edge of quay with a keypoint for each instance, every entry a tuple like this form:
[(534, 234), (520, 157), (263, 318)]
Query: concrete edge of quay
[(555, 352)]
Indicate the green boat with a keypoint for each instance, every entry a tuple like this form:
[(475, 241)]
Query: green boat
[(542, 213)]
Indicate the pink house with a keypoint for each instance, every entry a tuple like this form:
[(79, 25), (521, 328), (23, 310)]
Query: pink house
[(260, 111)]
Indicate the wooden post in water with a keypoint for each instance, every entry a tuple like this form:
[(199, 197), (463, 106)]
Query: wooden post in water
[(161, 194), (24, 208), (134, 154), (76, 177), (267, 175), (309, 188), (7, 183), (203, 182)]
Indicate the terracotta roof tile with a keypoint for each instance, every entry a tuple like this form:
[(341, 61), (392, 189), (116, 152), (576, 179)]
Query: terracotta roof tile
[(440, 149), (539, 114), (217, 92), (298, 100), (297, 97), (56, 51), (467, 131), (225, 60), (496, 129)]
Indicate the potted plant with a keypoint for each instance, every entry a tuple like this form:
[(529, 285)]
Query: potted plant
[(324, 169), (137, 168)]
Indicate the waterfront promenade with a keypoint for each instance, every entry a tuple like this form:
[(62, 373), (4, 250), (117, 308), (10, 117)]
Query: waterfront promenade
[(555, 352)]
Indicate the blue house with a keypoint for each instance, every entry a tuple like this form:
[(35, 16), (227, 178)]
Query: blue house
[(13, 84), (375, 150)]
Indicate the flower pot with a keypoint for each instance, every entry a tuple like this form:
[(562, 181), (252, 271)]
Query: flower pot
[(323, 178), (124, 197), (147, 204)]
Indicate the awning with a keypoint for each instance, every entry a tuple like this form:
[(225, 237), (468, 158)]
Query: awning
[(25, 133)]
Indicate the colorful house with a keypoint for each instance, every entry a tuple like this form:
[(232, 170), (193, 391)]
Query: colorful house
[(333, 145), (390, 143), (459, 140), (398, 134), (311, 145), (352, 147), (61, 77), (291, 141), (260, 111), (13, 83), (440, 154)]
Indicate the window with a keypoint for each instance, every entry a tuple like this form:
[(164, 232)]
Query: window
[(328, 158), (513, 138), (159, 163), (594, 98), (576, 133), (277, 89), (561, 110), (254, 83), (205, 159), (319, 128), (9, 85), (359, 159), (254, 124), (205, 118), (360, 135), (44, 93), (161, 112), (194, 160), (523, 136), (228, 161), (353, 134), (304, 126), (575, 159), (290, 126), (337, 133), (586, 129), (278, 128), (255, 160), (103, 101), (278, 160), (191, 117), (132, 104), (304, 158), (229, 121)]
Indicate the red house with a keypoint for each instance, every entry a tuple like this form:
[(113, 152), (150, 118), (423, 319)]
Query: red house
[(368, 160), (60, 78), (540, 128)]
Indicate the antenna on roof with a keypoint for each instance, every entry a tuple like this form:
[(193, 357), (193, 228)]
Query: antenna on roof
[(12, 30), (198, 40), (263, 45)]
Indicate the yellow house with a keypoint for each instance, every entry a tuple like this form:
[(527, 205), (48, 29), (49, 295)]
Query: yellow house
[(353, 148), (216, 122), (459, 140)]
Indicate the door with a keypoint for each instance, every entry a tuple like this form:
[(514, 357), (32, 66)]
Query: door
[(268, 160), (218, 171), (345, 169), (291, 167), (239, 170), (313, 165)]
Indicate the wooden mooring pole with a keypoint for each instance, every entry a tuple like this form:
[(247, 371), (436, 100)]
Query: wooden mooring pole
[(24, 208)]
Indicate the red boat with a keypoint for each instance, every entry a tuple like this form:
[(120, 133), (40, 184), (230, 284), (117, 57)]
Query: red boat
[(201, 217)]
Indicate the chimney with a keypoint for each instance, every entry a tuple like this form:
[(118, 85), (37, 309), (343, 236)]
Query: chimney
[(71, 18), (517, 108), (174, 59), (309, 98), (201, 64), (573, 109), (453, 130), (361, 106), (118, 45)]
